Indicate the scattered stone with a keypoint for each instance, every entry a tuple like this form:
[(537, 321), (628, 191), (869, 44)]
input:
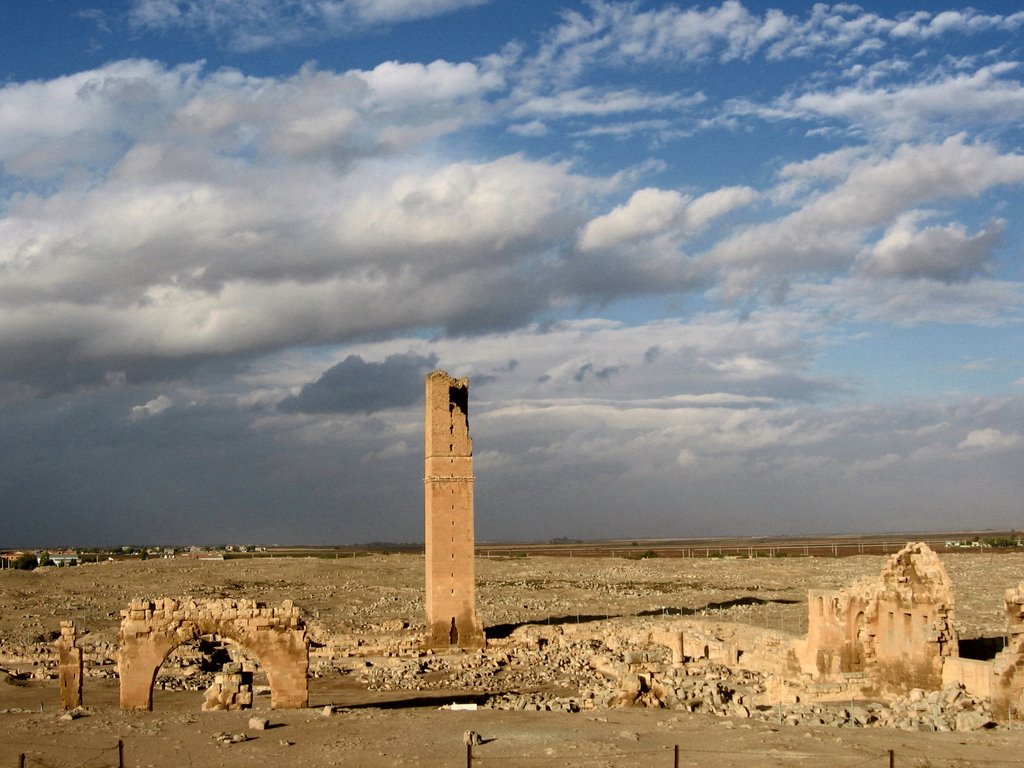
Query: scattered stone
[(258, 723), (230, 738), (973, 721)]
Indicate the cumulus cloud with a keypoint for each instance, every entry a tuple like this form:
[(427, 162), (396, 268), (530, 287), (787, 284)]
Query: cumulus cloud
[(226, 122), (653, 211), (88, 118), (289, 254), (830, 228), (241, 213), (940, 253)]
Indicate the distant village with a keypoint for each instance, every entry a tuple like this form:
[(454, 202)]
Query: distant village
[(30, 559)]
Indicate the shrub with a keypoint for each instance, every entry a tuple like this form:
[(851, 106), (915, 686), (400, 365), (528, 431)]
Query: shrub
[(26, 562)]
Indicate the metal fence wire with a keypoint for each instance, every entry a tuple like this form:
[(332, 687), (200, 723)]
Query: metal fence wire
[(676, 756), (84, 757)]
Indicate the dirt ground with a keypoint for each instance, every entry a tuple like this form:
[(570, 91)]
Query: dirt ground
[(387, 728)]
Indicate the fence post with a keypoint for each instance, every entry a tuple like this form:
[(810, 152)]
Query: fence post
[(469, 755), (21, 760), (892, 759), (675, 759), (120, 753)]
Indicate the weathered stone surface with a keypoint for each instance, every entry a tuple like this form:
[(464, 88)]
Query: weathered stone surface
[(231, 690), (70, 666), (277, 636), (448, 504), (973, 721), (897, 630)]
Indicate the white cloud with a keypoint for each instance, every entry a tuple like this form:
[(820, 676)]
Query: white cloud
[(374, 11), (941, 253), (91, 119), (591, 101), (154, 407), (983, 97), (922, 24), (990, 439), (249, 25), (652, 211), (532, 129), (436, 83), (228, 264), (648, 211), (910, 302), (88, 118), (829, 230), (627, 34)]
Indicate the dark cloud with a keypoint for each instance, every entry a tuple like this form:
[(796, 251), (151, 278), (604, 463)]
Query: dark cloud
[(356, 386), (79, 470), (588, 369)]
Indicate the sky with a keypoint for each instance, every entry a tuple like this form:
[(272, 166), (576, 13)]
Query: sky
[(736, 268)]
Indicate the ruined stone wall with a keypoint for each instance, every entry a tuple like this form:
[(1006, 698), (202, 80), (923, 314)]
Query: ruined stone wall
[(69, 666), (151, 629), (448, 510), (1007, 675), (896, 631)]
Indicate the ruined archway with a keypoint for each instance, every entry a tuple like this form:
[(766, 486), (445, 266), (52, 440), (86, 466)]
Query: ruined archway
[(150, 630)]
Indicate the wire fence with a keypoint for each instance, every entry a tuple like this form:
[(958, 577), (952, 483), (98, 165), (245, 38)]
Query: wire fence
[(54, 755), (676, 756)]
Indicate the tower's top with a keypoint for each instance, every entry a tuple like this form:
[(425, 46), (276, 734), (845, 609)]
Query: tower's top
[(446, 421)]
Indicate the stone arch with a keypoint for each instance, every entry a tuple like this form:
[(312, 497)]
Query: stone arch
[(151, 630)]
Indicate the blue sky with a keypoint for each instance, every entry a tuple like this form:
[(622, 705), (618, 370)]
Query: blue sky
[(717, 268)]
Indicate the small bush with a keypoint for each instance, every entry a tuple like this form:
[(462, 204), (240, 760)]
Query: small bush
[(26, 562)]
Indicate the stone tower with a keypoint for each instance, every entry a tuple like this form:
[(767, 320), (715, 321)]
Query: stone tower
[(448, 506)]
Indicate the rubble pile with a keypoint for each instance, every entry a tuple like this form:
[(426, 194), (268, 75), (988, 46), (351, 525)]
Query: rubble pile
[(231, 690)]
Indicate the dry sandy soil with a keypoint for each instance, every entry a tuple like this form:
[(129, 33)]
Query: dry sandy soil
[(382, 728)]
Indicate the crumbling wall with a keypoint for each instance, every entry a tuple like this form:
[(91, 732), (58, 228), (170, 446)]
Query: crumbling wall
[(450, 598), (151, 629), (70, 666), (1007, 683), (896, 631)]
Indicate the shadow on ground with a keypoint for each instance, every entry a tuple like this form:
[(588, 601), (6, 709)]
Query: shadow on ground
[(501, 631)]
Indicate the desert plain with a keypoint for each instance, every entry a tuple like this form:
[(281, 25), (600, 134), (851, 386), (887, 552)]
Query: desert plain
[(364, 615)]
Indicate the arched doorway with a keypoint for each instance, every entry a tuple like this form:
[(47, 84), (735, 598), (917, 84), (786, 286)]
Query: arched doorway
[(151, 630)]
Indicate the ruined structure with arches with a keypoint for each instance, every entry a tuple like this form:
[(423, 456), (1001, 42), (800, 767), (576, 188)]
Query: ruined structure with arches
[(152, 629)]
